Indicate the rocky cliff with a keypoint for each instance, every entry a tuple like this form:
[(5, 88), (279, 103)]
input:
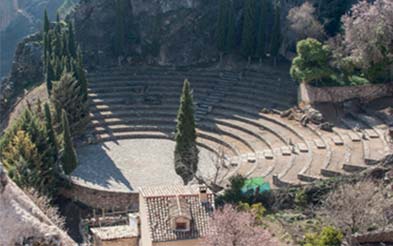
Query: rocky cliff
[(19, 18), (166, 32), (22, 222)]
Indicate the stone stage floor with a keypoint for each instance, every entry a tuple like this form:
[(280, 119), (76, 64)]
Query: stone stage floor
[(126, 165)]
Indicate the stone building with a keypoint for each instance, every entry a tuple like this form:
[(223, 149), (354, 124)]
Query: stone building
[(124, 235), (174, 215)]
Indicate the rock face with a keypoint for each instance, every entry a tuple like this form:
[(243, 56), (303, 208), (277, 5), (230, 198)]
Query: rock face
[(183, 28), (22, 222), (26, 71), (19, 18)]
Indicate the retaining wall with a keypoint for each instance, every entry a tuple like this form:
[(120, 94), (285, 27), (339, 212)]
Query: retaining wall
[(375, 237), (102, 199), (311, 95)]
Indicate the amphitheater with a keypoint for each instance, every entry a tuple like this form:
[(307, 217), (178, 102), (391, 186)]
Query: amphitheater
[(133, 112)]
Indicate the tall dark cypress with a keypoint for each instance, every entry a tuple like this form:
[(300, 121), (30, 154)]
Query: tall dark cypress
[(46, 22), (68, 157), (50, 76), (248, 34), (231, 27), (262, 24), (50, 131), (45, 35), (222, 27), (276, 35), (81, 75), (120, 27), (71, 40), (186, 151)]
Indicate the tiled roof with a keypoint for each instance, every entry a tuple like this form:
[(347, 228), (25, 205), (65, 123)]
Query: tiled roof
[(169, 190), (160, 203), (115, 232)]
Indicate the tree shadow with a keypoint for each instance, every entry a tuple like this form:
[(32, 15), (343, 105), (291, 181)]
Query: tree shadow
[(99, 169)]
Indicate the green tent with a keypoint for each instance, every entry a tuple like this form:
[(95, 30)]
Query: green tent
[(255, 184)]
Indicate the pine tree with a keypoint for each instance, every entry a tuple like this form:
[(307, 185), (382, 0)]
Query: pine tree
[(276, 36), (262, 24), (50, 131), (71, 40), (22, 161), (248, 34), (30, 123), (68, 157), (186, 151)]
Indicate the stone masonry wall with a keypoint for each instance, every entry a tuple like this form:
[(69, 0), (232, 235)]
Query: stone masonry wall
[(377, 237), (312, 95), (102, 199)]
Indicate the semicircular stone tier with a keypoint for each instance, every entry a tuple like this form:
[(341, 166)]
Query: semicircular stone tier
[(131, 104)]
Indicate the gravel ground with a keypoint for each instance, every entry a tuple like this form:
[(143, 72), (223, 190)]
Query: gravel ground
[(129, 164)]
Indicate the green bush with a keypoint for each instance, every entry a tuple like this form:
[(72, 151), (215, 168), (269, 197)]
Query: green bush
[(301, 198), (258, 209), (329, 236)]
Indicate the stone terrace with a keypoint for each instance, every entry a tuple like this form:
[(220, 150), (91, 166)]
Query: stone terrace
[(133, 104)]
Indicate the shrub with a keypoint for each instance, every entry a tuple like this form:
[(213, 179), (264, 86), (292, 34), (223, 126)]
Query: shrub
[(329, 236)]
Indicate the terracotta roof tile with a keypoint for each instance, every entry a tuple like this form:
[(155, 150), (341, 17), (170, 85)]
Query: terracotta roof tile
[(160, 205)]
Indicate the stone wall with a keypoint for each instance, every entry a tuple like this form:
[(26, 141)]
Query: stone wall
[(102, 199), (313, 95), (375, 237)]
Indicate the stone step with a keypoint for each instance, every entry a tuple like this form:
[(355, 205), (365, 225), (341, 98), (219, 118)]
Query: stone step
[(354, 136), (371, 133), (320, 144), (302, 147), (268, 154), (337, 140), (285, 150)]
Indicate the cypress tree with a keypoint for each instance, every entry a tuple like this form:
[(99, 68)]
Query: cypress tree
[(186, 151), (71, 40), (231, 24), (276, 36), (120, 27), (66, 94), (68, 157), (222, 27), (81, 75), (261, 40), (50, 76), (65, 52), (57, 44), (248, 34), (46, 22), (50, 131), (46, 36)]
